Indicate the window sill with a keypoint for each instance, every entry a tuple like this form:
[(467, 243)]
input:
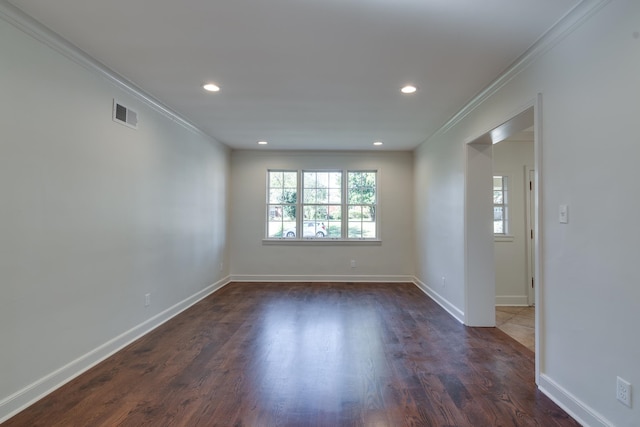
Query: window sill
[(322, 242), (503, 238)]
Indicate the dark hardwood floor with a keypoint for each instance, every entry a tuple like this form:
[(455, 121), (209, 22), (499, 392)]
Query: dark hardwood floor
[(321, 354)]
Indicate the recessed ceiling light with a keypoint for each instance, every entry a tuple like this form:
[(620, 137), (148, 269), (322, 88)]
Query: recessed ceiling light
[(377, 143), (262, 142), (409, 89), (211, 87)]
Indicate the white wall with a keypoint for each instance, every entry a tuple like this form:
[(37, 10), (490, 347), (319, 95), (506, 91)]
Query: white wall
[(93, 215), (589, 289), (439, 201), (253, 259), (513, 157)]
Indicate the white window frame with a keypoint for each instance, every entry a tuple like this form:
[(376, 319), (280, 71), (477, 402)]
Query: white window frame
[(344, 238)]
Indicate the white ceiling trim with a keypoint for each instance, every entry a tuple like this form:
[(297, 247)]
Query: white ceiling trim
[(30, 26), (565, 26)]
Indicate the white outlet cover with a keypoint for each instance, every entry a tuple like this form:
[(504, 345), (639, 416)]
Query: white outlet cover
[(623, 391)]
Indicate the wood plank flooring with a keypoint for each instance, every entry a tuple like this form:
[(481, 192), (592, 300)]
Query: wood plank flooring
[(302, 354)]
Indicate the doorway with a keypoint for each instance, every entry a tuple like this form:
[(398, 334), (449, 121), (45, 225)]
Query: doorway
[(513, 161), (480, 273)]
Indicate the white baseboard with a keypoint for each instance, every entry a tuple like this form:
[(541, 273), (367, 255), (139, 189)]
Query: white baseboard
[(35, 391), (442, 302), (318, 278), (520, 300), (581, 412)]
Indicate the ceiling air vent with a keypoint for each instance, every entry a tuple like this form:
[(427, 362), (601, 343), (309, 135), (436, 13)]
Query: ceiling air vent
[(124, 115)]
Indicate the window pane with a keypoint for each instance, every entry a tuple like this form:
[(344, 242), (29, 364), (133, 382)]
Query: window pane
[(322, 195), (497, 196), (362, 229), (291, 179), (335, 179), (335, 213), (362, 187), (334, 229), (276, 180), (355, 230), (289, 229), (323, 180), (275, 195), (309, 212), (497, 183), (309, 180), (335, 195), (369, 229), (355, 213), (309, 195), (275, 212), (315, 213), (274, 229), (289, 195), (322, 213), (281, 207), (278, 229)]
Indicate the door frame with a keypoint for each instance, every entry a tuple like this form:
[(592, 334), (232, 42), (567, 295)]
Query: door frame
[(479, 286)]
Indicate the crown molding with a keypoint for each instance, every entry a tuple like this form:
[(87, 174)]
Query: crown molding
[(35, 29), (562, 28)]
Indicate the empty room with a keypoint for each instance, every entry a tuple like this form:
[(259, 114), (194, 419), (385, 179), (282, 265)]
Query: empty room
[(319, 213)]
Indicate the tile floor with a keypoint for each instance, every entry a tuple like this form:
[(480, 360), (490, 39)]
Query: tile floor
[(518, 323)]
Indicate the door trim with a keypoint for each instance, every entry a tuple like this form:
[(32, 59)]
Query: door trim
[(479, 283)]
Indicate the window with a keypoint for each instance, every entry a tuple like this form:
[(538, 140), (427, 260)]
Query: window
[(330, 207), (500, 205), (322, 204), (281, 206), (361, 195)]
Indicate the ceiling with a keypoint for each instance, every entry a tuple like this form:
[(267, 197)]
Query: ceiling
[(306, 74)]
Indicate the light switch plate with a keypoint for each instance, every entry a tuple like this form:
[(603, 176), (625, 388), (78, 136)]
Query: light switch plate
[(564, 214)]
